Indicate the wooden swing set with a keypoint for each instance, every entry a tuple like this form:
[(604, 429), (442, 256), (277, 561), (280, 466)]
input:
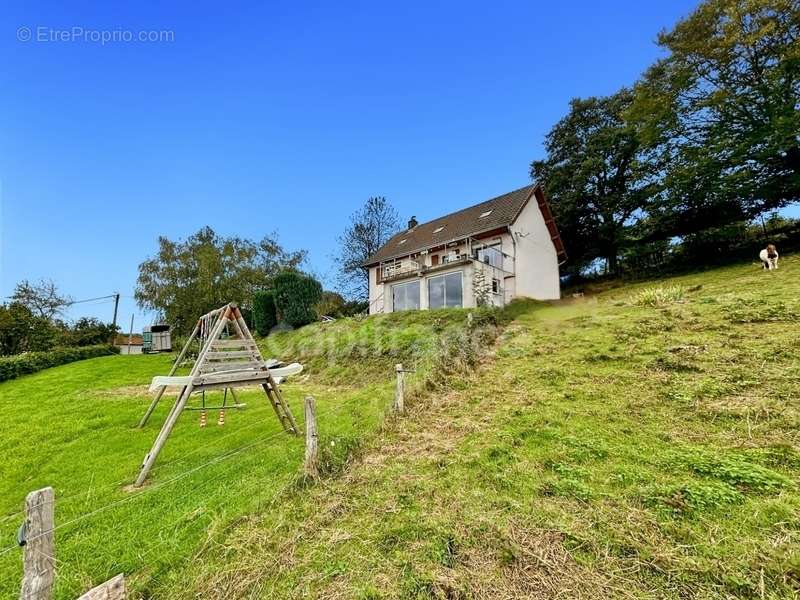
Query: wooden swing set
[(228, 358)]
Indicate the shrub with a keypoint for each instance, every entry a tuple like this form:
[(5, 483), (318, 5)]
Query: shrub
[(88, 332), (355, 307), (296, 295), (264, 312), (31, 362), (330, 304)]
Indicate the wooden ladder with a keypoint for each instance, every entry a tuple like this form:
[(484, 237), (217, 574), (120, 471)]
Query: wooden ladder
[(280, 407)]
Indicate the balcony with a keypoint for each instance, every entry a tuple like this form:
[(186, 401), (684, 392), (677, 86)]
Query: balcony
[(465, 252), (399, 269)]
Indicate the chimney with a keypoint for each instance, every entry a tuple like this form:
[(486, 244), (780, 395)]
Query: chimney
[(412, 222)]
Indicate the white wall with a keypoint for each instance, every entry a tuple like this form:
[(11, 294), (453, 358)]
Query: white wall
[(134, 349), (377, 300), (537, 273)]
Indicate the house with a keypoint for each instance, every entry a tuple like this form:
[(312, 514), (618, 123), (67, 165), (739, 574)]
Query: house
[(490, 253)]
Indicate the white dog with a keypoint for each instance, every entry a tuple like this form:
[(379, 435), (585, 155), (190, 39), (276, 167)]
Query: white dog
[(769, 257)]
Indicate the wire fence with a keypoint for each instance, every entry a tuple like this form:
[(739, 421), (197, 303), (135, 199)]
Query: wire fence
[(284, 467)]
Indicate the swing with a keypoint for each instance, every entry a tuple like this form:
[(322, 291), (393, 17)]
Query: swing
[(223, 406), (203, 408), (227, 359)]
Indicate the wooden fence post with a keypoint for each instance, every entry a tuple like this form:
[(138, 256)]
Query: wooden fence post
[(113, 589), (39, 563), (399, 391), (311, 468)]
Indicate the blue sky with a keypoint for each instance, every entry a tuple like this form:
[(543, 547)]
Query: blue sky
[(278, 117)]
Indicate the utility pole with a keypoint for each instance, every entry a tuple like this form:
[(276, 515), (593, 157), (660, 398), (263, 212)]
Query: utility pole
[(116, 306)]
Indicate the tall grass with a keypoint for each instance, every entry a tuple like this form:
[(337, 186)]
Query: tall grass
[(659, 296)]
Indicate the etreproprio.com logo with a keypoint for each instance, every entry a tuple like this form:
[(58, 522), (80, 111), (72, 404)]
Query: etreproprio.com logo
[(93, 36)]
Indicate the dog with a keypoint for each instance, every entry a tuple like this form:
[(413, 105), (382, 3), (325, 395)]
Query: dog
[(769, 257)]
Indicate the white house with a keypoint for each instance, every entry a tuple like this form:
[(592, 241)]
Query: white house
[(500, 249)]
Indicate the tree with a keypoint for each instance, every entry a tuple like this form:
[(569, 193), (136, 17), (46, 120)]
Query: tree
[(23, 331), (370, 228), (330, 304), (721, 111), (296, 295), (188, 278), (598, 178), (88, 331), (42, 298), (265, 313)]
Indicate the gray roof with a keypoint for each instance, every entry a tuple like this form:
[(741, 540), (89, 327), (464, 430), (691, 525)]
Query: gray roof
[(463, 223)]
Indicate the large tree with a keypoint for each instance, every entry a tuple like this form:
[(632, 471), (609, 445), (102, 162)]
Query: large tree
[(188, 278), (370, 228), (598, 179), (721, 109), (42, 298)]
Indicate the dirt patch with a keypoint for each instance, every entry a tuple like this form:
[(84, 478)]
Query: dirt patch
[(126, 391)]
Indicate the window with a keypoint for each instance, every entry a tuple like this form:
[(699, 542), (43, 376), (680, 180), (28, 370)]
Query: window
[(491, 255), (438, 229), (405, 296), (445, 291), (495, 286), (485, 214)]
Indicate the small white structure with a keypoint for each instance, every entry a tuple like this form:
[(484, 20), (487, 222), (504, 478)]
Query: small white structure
[(157, 338), (490, 253), (129, 343)]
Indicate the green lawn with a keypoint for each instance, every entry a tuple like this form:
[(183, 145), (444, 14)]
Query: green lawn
[(610, 448), (73, 427), (639, 442)]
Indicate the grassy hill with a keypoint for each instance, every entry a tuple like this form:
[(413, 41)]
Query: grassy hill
[(73, 427), (639, 442)]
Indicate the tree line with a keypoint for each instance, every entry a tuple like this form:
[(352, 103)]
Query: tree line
[(32, 321), (705, 142), (188, 278)]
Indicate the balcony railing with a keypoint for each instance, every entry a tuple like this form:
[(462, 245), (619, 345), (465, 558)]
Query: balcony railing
[(469, 250), (397, 269)]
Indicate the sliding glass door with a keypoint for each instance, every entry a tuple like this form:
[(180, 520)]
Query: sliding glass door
[(405, 296), (445, 291)]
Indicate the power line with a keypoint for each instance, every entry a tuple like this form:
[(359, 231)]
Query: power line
[(71, 302), (89, 299)]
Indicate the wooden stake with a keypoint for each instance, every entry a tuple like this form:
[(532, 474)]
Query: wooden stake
[(399, 391), (113, 589), (310, 467), (39, 563), (130, 335)]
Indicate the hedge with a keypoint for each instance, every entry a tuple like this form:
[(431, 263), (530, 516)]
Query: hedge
[(265, 314), (296, 295), (30, 362)]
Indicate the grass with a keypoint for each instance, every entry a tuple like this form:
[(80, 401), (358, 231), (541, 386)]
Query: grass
[(73, 427), (632, 443), (609, 448)]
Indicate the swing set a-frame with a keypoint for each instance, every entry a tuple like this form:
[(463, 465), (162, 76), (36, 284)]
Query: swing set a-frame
[(228, 358)]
